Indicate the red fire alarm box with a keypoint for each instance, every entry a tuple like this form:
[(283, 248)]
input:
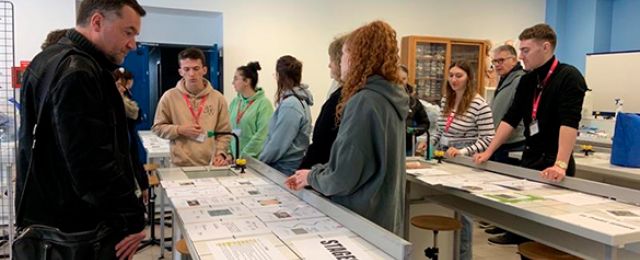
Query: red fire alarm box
[(17, 72)]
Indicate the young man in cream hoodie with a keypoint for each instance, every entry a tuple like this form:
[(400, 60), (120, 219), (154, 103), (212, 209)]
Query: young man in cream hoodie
[(187, 112)]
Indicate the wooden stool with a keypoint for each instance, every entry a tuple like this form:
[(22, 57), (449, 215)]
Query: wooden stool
[(153, 181), (182, 248), (435, 224), (150, 167), (536, 251)]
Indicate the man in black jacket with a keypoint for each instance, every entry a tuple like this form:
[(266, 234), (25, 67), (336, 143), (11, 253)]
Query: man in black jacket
[(81, 172), (549, 102)]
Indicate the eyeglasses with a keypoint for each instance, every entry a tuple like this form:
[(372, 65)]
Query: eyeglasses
[(500, 60)]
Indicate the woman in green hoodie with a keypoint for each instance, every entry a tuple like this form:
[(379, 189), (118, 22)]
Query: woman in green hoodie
[(250, 111)]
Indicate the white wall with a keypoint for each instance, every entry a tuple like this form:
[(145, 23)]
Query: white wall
[(34, 19), (163, 25), (612, 76), (265, 30)]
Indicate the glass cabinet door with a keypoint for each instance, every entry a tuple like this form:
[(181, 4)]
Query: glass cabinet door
[(469, 53), (429, 70)]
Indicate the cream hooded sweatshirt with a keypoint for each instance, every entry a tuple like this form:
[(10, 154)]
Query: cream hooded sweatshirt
[(173, 111)]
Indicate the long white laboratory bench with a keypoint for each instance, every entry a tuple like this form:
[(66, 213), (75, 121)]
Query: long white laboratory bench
[(588, 219), (225, 214)]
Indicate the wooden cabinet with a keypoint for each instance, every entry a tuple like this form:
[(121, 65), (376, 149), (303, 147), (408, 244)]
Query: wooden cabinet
[(428, 60)]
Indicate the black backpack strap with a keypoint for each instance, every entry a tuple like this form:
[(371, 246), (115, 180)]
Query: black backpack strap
[(50, 76), (297, 97)]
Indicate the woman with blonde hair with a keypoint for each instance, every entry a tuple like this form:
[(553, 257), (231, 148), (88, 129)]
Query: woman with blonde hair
[(365, 172), (325, 129)]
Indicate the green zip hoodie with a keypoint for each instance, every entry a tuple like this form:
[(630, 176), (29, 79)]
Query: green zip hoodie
[(254, 123)]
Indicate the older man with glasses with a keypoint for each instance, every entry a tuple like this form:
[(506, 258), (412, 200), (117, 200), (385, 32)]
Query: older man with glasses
[(509, 69), (506, 64)]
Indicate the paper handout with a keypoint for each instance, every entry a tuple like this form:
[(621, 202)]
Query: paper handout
[(213, 213), (602, 224), (289, 212), (190, 202), (270, 200), (578, 199), (268, 189), (339, 247), (293, 228), (226, 229), (511, 197), (244, 249)]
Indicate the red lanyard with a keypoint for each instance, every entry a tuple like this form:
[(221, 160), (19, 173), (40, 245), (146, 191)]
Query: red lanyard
[(241, 112), (536, 100), (449, 122), (200, 107)]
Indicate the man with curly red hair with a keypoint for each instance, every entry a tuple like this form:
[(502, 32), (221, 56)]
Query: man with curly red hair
[(366, 168)]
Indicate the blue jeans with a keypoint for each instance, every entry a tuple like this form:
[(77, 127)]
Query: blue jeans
[(466, 238)]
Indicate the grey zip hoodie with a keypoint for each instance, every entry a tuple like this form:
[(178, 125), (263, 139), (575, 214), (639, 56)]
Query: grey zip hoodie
[(366, 170)]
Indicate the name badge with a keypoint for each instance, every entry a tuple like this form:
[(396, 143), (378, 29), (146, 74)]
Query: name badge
[(201, 138), (533, 128), (444, 141)]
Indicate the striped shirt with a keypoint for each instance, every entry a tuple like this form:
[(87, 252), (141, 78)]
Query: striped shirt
[(470, 132)]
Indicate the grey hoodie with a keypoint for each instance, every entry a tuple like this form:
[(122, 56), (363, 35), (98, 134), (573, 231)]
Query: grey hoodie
[(289, 131), (366, 170)]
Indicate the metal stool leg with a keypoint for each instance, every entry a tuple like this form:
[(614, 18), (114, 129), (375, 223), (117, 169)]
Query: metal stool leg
[(432, 252), (151, 222)]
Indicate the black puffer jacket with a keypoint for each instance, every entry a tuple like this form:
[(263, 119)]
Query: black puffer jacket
[(82, 172)]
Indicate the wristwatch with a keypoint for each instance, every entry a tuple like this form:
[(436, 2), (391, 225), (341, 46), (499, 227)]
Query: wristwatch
[(561, 164)]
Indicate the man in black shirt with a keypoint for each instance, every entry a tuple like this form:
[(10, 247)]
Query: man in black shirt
[(548, 101)]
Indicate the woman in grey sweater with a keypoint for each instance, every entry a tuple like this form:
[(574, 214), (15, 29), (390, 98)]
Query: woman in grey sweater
[(366, 168)]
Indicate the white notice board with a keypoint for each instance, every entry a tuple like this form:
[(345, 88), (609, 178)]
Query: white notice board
[(614, 75)]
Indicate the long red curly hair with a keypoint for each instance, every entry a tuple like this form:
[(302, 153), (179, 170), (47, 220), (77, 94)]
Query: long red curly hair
[(372, 50)]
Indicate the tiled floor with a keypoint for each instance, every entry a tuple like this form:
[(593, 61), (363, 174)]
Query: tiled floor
[(484, 250)]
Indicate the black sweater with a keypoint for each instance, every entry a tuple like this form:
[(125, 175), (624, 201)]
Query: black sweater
[(324, 133), (560, 105), (417, 118)]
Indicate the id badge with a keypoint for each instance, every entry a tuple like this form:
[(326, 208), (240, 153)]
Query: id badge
[(201, 138), (533, 128), (444, 141), (237, 131)]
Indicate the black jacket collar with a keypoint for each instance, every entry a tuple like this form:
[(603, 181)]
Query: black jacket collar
[(85, 45)]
